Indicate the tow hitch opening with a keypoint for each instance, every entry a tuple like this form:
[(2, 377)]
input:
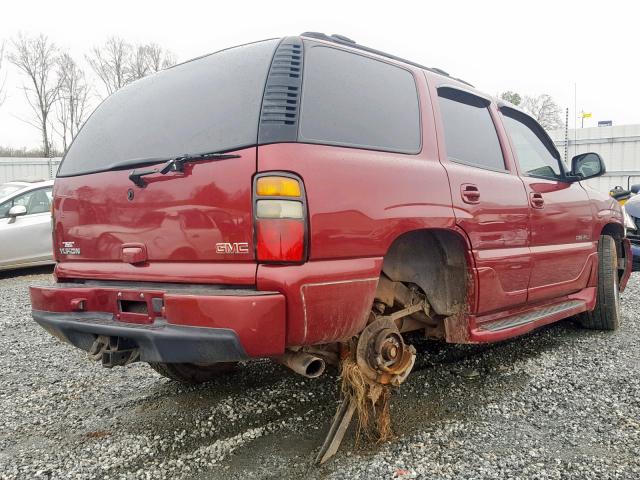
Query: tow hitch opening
[(133, 306), (113, 351)]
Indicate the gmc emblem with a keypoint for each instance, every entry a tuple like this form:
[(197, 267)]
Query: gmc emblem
[(232, 248)]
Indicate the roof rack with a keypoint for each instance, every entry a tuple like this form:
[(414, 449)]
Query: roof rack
[(341, 39)]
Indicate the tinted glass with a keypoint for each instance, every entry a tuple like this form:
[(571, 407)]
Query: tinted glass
[(534, 156), (4, 208), (208, 104), (469, 133), (356, 101)]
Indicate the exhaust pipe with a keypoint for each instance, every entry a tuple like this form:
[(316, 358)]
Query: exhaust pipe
[(303, 363)]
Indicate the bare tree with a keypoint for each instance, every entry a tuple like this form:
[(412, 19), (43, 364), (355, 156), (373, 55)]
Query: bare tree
[(111, 62), (73, 99), (159, 58), (36, 58), (138, 63), (544, 110), (118, 63)]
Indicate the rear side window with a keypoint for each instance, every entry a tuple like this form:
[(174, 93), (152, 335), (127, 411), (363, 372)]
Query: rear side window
[(208, 104), (356, 101), (536, 157), (469, 133)]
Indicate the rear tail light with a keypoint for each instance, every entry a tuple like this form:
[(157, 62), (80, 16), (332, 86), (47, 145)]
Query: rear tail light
[(280, 219), (279, 209), (271, 186)]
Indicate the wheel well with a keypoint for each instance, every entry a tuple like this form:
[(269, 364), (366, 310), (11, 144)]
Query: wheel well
[(435, 261), (616, 231)]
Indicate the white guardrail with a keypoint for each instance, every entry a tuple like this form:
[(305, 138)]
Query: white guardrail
[(16, 168)]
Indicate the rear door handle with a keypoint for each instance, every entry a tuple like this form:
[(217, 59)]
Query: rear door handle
[(470, 193), (536, 200)]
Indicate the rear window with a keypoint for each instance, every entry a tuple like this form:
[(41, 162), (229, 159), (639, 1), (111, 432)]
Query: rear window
[(356, 101), (208, 104)]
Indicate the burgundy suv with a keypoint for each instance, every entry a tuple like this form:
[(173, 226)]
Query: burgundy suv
[(288, 197)]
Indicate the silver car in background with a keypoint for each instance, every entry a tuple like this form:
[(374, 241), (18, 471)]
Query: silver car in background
[(25, 224)]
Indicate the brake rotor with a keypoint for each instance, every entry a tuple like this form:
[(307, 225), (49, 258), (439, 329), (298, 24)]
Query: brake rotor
[(382, 355)]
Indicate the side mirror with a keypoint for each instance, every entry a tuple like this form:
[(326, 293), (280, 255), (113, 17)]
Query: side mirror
[(635, 188), (17, 211), (587, 165)]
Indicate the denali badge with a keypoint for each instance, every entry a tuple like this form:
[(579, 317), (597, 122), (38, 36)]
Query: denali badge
[(69, 248), (234, 248)]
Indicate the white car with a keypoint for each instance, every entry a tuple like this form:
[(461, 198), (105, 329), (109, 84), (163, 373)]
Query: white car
[(25, 224)]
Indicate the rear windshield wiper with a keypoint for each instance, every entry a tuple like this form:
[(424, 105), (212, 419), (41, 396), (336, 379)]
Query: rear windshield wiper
[(177, 165)]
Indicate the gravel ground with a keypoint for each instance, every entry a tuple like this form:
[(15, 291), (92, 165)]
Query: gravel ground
[(561, 403)]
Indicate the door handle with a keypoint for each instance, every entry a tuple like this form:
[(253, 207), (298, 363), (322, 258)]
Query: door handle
[(536, 200), (470, 193)]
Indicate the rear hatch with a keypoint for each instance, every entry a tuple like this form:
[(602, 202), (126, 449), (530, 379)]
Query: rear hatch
[(108, 226)]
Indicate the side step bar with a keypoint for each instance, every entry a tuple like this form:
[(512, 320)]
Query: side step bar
[(526, 321), (529, 317)]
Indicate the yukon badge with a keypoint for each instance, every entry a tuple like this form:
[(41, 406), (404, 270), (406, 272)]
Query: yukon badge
[(232, 248), (69, 248)]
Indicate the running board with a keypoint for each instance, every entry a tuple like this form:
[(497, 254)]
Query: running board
[(530, 317), (527, 320)]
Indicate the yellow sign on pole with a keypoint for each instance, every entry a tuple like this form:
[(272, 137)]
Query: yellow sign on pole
[(586, 115)]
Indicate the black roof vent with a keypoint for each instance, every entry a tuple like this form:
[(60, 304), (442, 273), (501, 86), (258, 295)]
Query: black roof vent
[(281, 100)]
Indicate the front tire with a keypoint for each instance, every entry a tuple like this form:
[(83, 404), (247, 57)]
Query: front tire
[(606, 315), (191, 373)]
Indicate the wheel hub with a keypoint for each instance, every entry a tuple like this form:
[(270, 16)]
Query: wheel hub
[(382, 354)]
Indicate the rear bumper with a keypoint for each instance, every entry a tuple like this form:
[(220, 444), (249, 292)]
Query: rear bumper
[(157, 342), (290, 305), (170, 323)]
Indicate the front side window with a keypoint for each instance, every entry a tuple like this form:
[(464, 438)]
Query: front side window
[(535, 156), (35, 201), (469, 133), (356, 101)]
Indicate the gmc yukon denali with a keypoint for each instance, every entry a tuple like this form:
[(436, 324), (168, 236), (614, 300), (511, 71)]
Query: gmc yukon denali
[(312, 200)]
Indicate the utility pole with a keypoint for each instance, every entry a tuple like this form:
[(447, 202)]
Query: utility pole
[(575, 118), (50, 161), (566, 135)]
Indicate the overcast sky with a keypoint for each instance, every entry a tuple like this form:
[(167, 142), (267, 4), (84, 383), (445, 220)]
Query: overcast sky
[(530, 46)]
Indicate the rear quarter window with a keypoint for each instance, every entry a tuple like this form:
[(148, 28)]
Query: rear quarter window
[(356, 101)]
